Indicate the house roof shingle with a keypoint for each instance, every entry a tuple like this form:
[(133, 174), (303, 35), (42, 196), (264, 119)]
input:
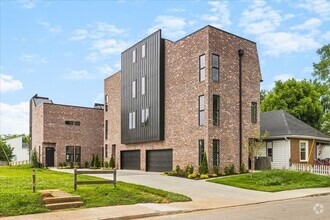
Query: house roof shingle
[(281, 124)]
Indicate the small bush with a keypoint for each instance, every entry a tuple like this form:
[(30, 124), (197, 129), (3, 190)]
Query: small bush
[(192, 176), (214, 175), (97, 162), (86, 164), (204, 176), (71, 165), (64, 164), (226, 170), (34, 160), (172, 173), (112, 162), (203, 167), (216, 170), (242, 168), (273, 181), (190, 169), (232, 169), (177, 169), (60, 164)]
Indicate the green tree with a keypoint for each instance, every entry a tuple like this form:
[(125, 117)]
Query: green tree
[(6, 152), (322, 68), (34, 159), (112, 162), (263, 94), (299, 98), (203, 167)]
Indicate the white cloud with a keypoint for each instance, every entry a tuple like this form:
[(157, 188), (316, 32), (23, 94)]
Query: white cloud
[(102, 48), (310, 24), (319, 7), (78, 75), (29, 4), (14, 119), (283, 77), (326, 36), (96, 31), (177, 10), (51, 28), (307, 70), (8, 84), (220, 14), (172, 27), (283, 42), (106, 69), (33, 58)]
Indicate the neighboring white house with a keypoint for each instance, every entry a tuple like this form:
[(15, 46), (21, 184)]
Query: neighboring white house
[(21, 150), (291, 141)]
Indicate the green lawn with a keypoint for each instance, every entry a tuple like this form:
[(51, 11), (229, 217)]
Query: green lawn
[(275, 180), (16, 197)]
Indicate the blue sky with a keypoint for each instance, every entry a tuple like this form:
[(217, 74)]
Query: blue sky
[(64, 49)]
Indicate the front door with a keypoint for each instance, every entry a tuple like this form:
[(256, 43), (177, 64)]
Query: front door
[(50, 156)]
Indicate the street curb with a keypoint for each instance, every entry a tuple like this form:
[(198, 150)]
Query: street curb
[(159, 213)]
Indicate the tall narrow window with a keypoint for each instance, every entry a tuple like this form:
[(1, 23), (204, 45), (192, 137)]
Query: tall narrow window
[(269, 147), (216, 110), (143, 50), (200, 150), (215, 67), (216, 145), (106, 99), (202, 68), (254, 112), (106, 130), (134, 56), (145, 117), (143, 85), (131, 119), (133, 89), (201, 110), (106, 151), (303, 148), (113, 151), (77, 154), (69, 154)]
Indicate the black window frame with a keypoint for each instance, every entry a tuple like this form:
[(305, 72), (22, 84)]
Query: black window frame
[(106, 100), (254, 112), (202, 68), (69, 122), (201, 111), (216, 110), (201, 150), (74, 154), (215, 67), (106, 151), (145, 117), (216, 152), (106, 128)]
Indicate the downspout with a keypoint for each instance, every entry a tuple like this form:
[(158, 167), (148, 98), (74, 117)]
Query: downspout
[(240, 53)]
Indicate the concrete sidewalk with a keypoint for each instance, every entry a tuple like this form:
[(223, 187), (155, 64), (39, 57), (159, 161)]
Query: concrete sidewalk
[(205, 196)]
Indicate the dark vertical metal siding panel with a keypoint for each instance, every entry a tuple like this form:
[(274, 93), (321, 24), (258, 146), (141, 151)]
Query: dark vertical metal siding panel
[(150, 67)]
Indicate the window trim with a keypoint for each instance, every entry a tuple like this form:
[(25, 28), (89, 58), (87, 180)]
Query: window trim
[(216, 153), (306, 150), (201, 110), (216, 110), (134, 89), (202, 68), (143, 51), (131, 120), (143, 85), (145, 114), (271, 147), (217, 68), (134, 56)]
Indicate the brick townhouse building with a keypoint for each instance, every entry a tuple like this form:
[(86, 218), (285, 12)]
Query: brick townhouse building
[(173, 101), (65, 133)]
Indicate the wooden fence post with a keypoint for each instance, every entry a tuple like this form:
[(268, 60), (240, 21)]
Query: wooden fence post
[(33, 180), (75, 179)]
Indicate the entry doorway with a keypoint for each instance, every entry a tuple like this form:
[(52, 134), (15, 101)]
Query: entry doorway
[(50, 156)]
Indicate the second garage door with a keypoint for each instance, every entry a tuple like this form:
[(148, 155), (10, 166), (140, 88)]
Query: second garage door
[(159, 160), (130, 160)]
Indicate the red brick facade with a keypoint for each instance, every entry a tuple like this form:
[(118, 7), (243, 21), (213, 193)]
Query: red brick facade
[(182, 89), (49, 130)]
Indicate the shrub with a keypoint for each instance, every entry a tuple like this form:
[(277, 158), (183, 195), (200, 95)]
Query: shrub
[(232, 169), (60, 164), (216, 170), (242, 168), (76, 165), (112, 162), (93, 161), (190, 169), (204, 176), (179, 171), (64, 164), (71, 165), (106, 164), (203, 167), (273, 181), (214, 175), (97, 162), (34, 160), (171, 173), (86, 164), (192, 176)]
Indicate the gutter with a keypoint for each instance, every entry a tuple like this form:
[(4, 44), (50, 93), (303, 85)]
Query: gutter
[(300, 137)]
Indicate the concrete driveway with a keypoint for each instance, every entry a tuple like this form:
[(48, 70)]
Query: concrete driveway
[(205, 195)]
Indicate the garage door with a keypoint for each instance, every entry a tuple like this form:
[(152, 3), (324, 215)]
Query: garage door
[(159, 160), (130, 160)]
